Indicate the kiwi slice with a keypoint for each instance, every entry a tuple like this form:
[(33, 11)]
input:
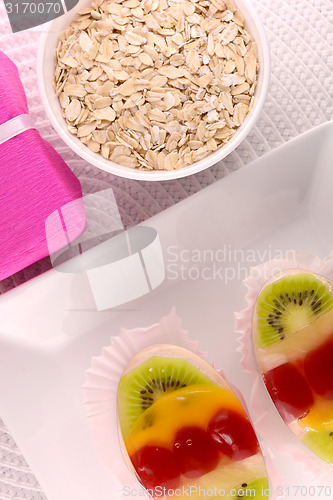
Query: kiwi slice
[(154, 378), (256, 489), (321, 443), (288, 304)]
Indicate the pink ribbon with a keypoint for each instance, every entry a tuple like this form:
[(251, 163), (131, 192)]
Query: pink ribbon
[(15, 126)]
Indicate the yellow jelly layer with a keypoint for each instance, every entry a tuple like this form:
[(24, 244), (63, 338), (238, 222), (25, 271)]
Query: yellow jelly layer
[(320, 416), (194, 405)]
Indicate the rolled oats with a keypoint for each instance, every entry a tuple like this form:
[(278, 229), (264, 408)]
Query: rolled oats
[(156, 84), (240, 113), (73, 110)]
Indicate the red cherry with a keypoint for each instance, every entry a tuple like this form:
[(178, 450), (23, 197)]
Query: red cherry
[(233, 434), (318, 368), (289, 391), (156, 467), (195, 451)]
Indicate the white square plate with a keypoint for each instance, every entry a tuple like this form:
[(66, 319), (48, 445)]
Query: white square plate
[(49, 331)]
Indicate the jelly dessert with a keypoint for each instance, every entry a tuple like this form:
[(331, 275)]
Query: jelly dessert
[(293, 340), (183, 427)]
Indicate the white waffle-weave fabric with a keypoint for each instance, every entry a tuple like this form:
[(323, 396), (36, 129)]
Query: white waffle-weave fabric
[(300, 97)]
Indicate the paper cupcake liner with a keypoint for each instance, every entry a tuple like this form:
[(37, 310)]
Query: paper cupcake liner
[(267, 421), (101, 385)]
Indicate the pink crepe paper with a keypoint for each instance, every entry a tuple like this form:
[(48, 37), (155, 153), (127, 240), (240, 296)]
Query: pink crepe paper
[(35, 182)]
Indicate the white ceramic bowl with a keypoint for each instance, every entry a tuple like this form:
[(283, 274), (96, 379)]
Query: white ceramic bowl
[(45, 71)]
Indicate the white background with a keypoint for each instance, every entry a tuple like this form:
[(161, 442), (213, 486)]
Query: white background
[(300, 33)]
